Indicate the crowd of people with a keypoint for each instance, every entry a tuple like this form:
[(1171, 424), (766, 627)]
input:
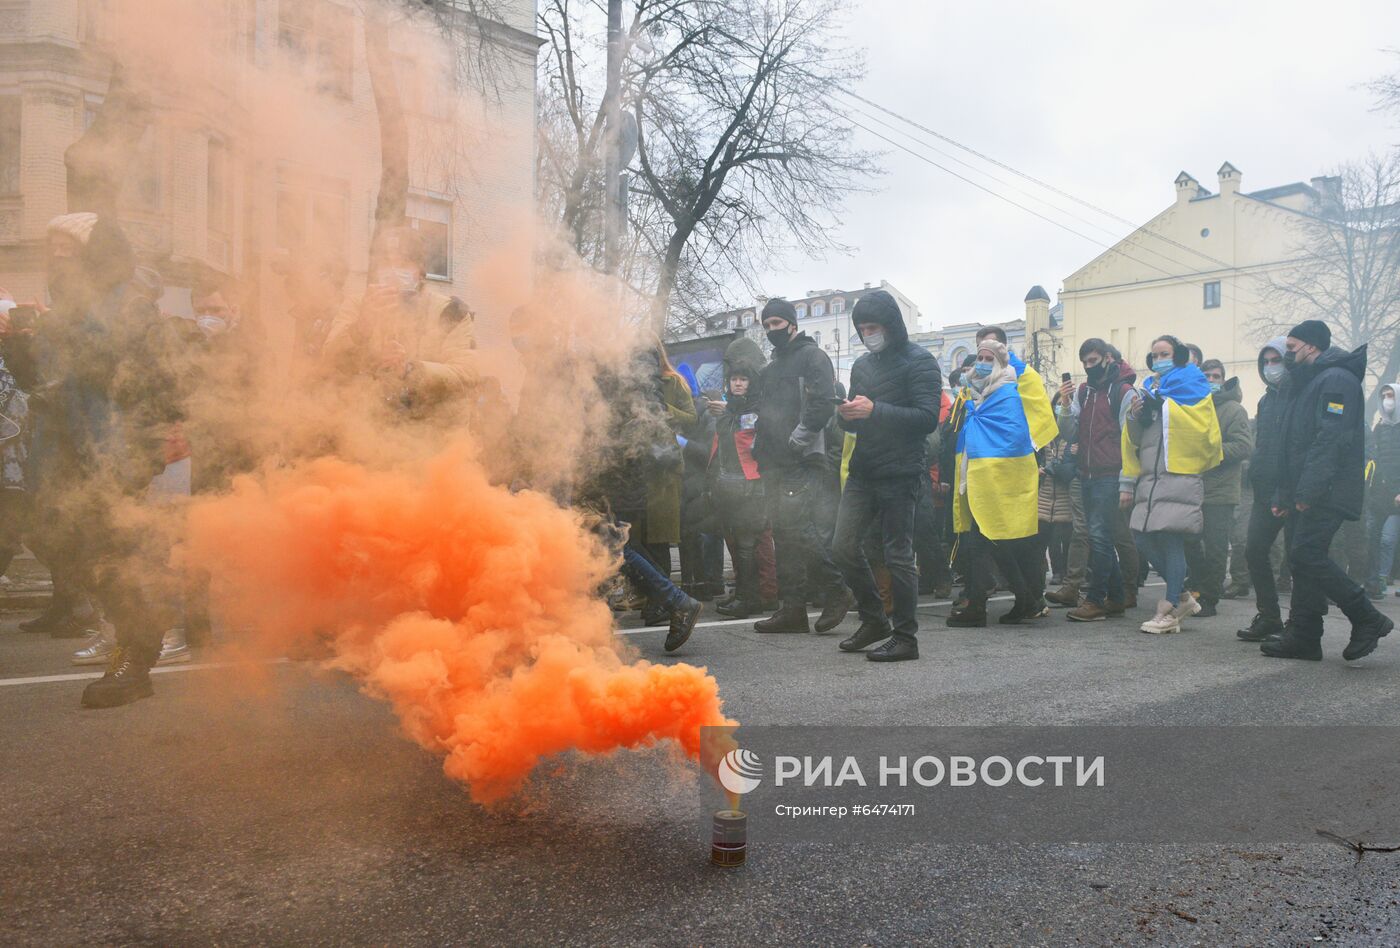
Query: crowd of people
[(840, 499)]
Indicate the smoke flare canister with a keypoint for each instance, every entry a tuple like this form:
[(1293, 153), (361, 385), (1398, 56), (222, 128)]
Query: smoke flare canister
[(729, 842)]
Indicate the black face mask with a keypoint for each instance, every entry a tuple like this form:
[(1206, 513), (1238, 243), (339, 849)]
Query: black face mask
[(1290, 360), (1097, 373), (779, 337)]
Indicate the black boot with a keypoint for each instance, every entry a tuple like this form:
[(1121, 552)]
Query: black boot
[(838, 606), (683, 618), (1364, 636), (127, 679), (1012, 617), (969, 617), (895, 650), (791, 618), (1260, 629), (867, 635), (1207, 609), (738, 609), (1293, 645)]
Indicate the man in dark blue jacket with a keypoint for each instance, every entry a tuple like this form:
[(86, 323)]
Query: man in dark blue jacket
[(1322, 459), (893, 405)]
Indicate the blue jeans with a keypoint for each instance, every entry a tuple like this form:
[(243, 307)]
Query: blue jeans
[(1101, 515), (1166, 552), (659, 589), (1389, 533)]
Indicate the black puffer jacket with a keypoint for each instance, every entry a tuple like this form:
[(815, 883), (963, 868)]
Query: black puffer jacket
[(905, 383), (796, 397), (1268, 431), (1323, 455)]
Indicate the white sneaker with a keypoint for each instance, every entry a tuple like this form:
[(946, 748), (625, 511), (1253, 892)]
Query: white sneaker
[(173, 648), (1187, 608), (99, 646), (1164, 622)]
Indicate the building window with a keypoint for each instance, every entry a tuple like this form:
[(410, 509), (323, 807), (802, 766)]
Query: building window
[(1212, 294), (801, 310), (9, 144), (817, 337), (319, 38), (433, 219), (838, 305), (818, 310)]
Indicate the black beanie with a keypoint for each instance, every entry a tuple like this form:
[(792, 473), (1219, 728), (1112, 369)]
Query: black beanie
[(780, 307), (1314, 332)]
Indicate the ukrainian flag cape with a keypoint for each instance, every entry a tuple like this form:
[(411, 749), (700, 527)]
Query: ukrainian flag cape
[(996, 449), (1190, 428)]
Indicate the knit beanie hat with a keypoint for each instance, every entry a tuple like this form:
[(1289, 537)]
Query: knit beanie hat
[(997, 349), (1314, 332), (780, 307)]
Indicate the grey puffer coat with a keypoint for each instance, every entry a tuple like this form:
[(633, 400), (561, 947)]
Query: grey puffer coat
[(1163, 502)]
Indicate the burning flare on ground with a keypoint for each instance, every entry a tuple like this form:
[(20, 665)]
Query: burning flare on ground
[(472, 610)]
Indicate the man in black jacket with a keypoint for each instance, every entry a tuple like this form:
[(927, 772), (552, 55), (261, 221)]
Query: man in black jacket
[(796, 398), (893, 405), (1264, 527), (1322, 459)]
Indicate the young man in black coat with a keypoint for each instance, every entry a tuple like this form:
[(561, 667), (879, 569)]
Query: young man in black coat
[(795, 401), (1322, 483), (893, 405)]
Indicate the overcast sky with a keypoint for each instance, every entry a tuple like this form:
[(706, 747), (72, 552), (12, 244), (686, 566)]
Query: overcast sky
[(1106, 100)]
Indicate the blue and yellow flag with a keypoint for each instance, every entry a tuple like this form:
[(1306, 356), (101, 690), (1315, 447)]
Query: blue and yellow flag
[(1191, 442), (1040, 414), (996, 453)]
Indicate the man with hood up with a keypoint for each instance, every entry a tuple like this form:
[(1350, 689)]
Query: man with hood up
[(796, 398), (1206, 555), (1321, 484), (732, 479), (895, 394), (1264, 464), (1384, 496)]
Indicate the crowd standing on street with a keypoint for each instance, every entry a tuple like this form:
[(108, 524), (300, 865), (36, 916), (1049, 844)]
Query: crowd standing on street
[(823, 497)]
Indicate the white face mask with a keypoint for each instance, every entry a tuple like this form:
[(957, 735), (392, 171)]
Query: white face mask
[(1273, 374), (1388, 404), (874, 341), (212, 325)]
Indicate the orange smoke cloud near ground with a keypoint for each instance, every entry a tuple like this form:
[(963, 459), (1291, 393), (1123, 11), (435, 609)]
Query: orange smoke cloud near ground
[(472, 610)]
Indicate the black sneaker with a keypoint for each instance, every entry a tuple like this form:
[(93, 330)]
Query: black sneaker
[(1364, 637), (126, 680), (1260, 629), (895, 650), (786, 619), (867, 635), (1014, 615), (1207, 609), (683, 619), (838, 606), (738, 609), (968, 617), (1292, 645)]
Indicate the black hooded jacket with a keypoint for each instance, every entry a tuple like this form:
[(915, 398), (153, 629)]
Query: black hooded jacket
[(1268, 432), (796, 397), (1322, 457), (904, 381)]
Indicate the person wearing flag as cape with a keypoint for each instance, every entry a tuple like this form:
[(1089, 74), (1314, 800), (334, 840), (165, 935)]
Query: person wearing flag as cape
[(997, 476), (1172, 437)]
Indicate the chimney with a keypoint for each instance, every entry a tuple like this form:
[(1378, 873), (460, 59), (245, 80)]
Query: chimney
[(1187, 187), (1037, 312), (1229, 179)]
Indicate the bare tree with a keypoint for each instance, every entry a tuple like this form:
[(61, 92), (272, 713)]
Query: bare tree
[(1346, 268), (744, 151)]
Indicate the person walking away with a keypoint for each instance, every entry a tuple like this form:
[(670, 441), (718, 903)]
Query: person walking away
[(1264, 465), (996, 475), (795, 401), (1100, 405), (1321, 485), (893, 406), (1384, 494), (733, 478), (1172, 437), (1206, 555)]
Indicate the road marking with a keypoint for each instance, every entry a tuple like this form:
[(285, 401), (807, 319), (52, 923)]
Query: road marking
[(721, 623), (167, 670)]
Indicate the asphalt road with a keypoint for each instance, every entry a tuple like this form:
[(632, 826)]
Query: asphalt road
[(283, 807)]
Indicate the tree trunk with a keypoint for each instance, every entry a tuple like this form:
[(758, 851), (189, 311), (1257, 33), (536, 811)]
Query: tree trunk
[(99, 161), (666, 279), (391, 206)]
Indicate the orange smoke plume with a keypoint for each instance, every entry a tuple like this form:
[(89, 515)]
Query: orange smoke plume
[(472, 610)]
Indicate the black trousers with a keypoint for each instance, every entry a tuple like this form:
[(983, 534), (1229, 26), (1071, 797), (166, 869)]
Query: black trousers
[(1206, 554), (801, 544), (1316, 577), (1022, 562), (741, 510), (1264, 529), (889, 503), (928, 540)]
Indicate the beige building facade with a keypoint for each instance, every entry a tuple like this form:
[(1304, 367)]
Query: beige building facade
[(203, 198), (1198, 270)]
